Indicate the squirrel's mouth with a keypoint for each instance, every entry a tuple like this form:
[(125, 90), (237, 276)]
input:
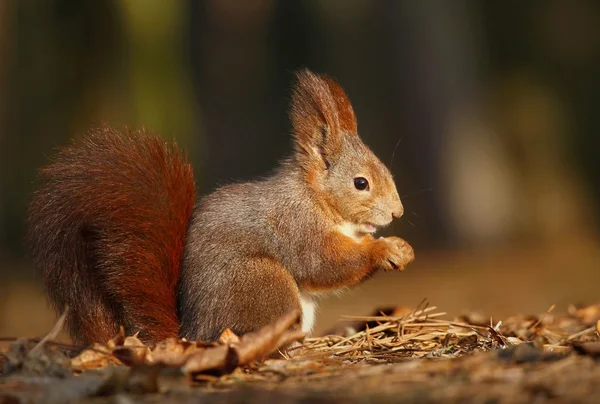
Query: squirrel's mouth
[(368, 228)]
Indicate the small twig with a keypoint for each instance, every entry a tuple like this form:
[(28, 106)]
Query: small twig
[(461, 325), (53, 333), (581, 333), (539, 320), (423, 316)]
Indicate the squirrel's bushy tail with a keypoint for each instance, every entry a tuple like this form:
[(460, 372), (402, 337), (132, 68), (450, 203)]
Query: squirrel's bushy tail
[(108, 227)]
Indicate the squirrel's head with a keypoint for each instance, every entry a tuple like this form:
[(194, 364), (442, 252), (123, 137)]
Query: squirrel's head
[(348, 179)]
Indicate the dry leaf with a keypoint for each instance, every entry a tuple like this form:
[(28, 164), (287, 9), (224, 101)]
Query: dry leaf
[(514, 340), (221, 358), (258, 345), (588, 348), (23, 357), (228, 337), (96, 357), (589, 315), (139, 351), (174, 352), (252, 346), (117, 340)]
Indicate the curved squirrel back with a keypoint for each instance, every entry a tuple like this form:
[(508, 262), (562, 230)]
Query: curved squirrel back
[(108, 227)]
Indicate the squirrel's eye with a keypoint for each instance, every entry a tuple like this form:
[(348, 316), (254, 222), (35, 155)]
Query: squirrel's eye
[(361, 183)]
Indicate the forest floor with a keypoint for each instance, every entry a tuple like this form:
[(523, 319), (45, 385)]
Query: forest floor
[(400, 354), (403, 354)]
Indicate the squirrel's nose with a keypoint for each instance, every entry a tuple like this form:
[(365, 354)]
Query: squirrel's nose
[(398, 211)]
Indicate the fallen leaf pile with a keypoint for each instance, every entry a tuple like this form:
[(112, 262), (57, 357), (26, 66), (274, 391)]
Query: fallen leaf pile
[(193, 358), (410, 354)]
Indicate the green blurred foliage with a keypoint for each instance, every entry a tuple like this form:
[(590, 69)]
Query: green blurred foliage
[(215, 75)]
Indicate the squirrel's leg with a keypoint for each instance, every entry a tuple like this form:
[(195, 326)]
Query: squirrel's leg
[(348, 261), (257, 292), (266, 291)]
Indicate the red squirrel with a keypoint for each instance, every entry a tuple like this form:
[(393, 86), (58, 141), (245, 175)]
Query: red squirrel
[(122, 241)]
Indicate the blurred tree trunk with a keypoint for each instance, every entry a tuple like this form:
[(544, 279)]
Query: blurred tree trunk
[(233, 73), (7, 10), (63, 54), (432, 77), (544, 81)]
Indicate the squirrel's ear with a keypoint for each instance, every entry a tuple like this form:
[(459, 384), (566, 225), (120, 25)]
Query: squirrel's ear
[(321, 116)]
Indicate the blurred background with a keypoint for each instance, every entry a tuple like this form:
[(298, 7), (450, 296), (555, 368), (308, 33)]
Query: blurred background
[(486, 111)]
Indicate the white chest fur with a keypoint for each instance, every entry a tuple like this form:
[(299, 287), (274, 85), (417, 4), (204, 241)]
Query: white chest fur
[(349, 229), (309, 307)]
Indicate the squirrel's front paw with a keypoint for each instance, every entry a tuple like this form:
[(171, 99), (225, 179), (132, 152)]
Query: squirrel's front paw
[(395, 253)]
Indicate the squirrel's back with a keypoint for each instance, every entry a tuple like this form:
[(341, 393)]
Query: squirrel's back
[(108, 226), (273, 219)]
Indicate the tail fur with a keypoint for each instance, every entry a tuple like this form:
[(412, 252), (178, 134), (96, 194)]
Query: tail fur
[(108, 227)]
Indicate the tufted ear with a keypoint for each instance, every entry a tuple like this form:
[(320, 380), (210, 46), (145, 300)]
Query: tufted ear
[(321, 116)]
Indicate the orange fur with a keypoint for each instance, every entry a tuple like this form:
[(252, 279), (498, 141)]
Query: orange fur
[(113, 230), (351, 262), (321, 114), (108, 229), (346, 117)]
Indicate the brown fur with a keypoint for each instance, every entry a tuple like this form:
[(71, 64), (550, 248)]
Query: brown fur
[(352, 262), (290, 222), (108, 227)]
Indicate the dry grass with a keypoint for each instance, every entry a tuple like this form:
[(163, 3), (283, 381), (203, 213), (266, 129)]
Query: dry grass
[(417, 355)]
